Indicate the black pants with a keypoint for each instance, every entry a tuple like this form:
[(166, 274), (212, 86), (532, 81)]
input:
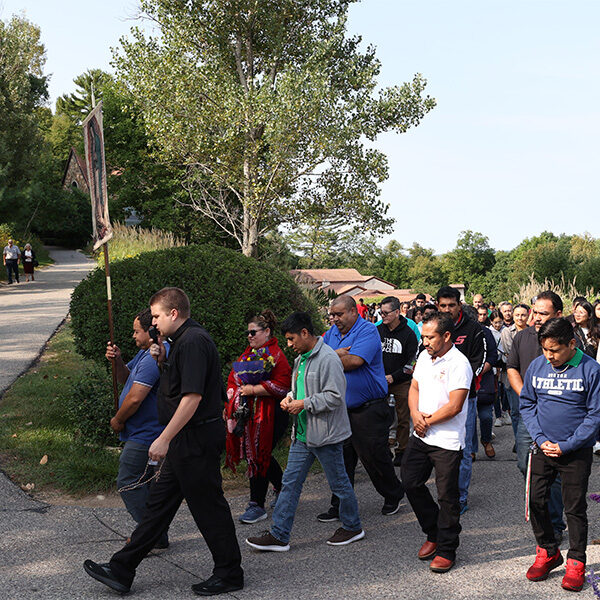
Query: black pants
[(260, 485), (574, 469), (369, 442), (12, 268), (440, 523), (191, 470)]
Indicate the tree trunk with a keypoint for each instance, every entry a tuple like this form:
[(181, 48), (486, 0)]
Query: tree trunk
[(250, 240)]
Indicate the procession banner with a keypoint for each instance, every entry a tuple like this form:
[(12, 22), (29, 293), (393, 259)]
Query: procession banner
[(93, 137)]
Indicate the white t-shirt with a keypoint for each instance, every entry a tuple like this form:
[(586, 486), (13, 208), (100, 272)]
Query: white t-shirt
[(436, 379)]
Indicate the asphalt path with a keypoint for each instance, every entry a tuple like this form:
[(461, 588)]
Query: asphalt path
[(43, 546), (31, 312)]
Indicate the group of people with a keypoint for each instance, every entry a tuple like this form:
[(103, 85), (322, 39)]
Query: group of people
[(12, 257), (362, 389)]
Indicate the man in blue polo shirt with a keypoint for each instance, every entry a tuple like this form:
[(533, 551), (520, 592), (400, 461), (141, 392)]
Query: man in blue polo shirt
[(560, 406), (136, 421), (358, 344)]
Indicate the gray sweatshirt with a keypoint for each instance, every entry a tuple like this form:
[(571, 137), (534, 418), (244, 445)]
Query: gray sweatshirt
[(325, 388)]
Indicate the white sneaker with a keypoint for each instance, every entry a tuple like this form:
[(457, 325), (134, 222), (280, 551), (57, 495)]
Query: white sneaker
[(506, 420), (498, 423), (597, 448)]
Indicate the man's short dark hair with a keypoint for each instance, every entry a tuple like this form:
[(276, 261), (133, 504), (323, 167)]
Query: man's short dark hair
[(443, 321), (296, 322), (392, 301), (557, 303), (173, 298), (430, 307), (145, 318), (448, 292), (559, 329), (421, 297)]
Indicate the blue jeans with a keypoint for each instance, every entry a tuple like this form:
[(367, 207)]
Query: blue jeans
[(513, 403), (132, 462), (555, 502), (486, 420), (300, 459), (466, 464)]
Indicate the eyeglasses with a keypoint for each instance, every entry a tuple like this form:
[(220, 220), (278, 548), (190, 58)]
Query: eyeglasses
[(253, 332), (385, 314)]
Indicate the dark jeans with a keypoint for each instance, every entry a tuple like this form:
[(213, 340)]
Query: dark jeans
[(12, 268), (555, 505), (574, 469), (369, 442), (485, 411), (191, 470), (132, 464), (439, 521), (259, 486), (500, 402)]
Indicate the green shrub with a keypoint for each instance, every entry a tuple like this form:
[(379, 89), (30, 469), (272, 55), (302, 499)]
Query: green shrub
[(90, 407), (224, 287)]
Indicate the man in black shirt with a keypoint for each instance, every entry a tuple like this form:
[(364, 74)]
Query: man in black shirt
[(524, 350), (399, 350), (190, 403)]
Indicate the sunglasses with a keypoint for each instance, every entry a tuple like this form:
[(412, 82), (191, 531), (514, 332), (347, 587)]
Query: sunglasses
[(253, 332)]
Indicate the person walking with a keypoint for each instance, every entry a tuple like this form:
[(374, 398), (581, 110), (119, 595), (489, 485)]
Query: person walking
[(399, 350), (320, 428), (29, 262), (358, 345), (266, 423), (190, 403), (437, 400), (11, 257), (560, 406), (136, 420)]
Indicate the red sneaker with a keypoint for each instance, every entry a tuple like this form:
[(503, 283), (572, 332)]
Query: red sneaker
[(575, 575), (543, 564)]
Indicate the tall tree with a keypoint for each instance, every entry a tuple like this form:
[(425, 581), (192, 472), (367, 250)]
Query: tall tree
[(268, 104), (23, 91)]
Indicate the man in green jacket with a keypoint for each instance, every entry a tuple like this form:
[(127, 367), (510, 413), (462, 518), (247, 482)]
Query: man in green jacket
[(321, 425)]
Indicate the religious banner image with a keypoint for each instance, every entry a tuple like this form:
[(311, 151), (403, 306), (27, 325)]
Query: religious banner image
[(94, 157)]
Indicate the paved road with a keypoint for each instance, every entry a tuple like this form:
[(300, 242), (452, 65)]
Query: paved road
[(42, 547), (31, 312)]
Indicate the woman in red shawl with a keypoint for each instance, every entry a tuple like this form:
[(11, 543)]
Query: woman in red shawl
[(267, 422)]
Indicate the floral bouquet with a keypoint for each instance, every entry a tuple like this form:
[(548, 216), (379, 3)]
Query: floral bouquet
[(252, 369)]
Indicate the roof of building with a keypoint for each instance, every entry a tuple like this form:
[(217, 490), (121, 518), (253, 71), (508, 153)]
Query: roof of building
[(331, 274), (74, 156)]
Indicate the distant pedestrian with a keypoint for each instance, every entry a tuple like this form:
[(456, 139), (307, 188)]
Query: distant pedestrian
[(29, 262), (11, 257)]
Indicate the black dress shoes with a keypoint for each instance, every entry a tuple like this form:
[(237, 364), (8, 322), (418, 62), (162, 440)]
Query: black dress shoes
[(215, 585), (103, 574)]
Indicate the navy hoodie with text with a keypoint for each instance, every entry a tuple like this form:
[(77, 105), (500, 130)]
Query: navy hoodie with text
[(562, 405)]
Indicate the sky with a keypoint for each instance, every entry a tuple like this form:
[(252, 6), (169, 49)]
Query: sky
[(511, 148)]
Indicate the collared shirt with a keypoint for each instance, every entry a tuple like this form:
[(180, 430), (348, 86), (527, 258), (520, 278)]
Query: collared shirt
[(11, 252), (436, 379), (368, 382), (142, 426), (193, 367)]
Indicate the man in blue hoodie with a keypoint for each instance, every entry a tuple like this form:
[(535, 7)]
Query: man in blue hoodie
[(560, 406)]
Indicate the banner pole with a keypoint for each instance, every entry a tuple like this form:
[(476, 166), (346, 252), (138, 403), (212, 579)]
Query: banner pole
[(111, 327)]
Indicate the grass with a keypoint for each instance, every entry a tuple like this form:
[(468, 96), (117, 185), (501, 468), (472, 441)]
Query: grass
[(128, 242), (33, 425)]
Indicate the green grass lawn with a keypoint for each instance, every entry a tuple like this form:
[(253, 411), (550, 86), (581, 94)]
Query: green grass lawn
[(32, 425)]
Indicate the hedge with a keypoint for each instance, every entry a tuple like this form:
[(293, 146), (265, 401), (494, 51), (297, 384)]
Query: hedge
[(225, 288)]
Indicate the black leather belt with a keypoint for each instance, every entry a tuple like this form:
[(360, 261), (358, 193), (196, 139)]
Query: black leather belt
[(366, 404)]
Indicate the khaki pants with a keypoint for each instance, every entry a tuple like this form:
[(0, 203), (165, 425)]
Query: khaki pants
[(400, 429)]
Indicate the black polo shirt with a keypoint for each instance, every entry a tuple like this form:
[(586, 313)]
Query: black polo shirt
[(193, 367), (524, 350)]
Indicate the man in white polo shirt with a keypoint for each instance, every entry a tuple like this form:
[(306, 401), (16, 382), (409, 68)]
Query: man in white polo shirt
[(440, 385)]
